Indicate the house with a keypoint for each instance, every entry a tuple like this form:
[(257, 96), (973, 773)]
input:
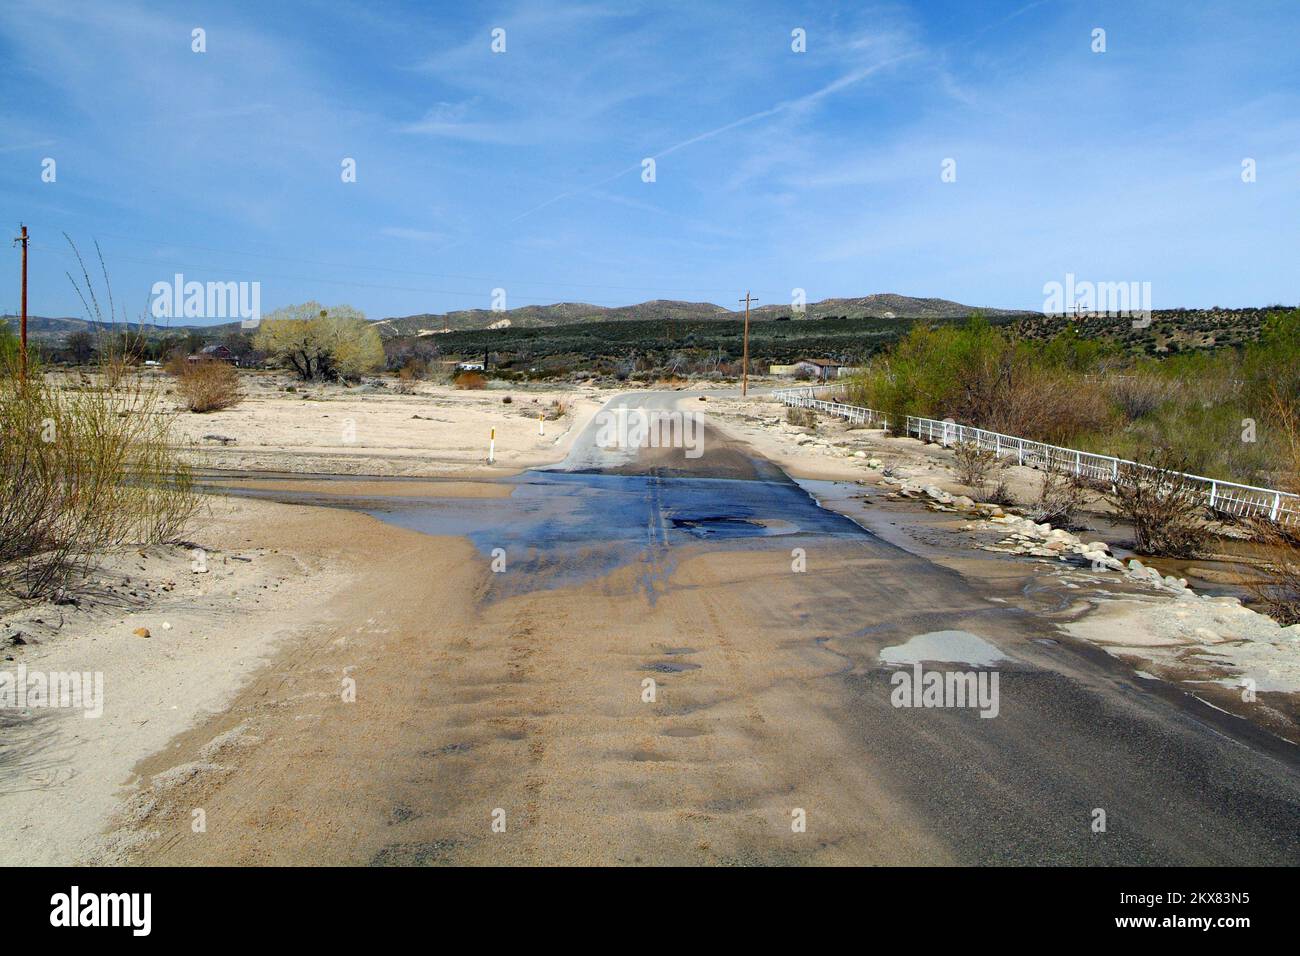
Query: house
[(469, 366), (823, 370), (215, 353)]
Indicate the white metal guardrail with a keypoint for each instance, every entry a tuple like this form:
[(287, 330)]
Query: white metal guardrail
[(1223, 496)]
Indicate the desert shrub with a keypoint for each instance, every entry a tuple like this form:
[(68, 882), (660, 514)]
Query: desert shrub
[(208, 385), (1138, 395), (470, 380), (1276, 584), (82, 471), (1165, 508), (1061, 497), (413, 369), (802, 417), (973, 464), (174, 364), (1001, 493)]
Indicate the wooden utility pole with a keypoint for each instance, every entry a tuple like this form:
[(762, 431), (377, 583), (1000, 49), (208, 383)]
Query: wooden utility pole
[(22, 322), (744, 362)]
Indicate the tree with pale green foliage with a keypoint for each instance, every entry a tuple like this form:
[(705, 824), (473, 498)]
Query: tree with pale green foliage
[(319, 342)]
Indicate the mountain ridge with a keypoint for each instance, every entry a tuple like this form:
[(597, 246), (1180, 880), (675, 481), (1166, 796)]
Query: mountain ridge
[(881, 305)]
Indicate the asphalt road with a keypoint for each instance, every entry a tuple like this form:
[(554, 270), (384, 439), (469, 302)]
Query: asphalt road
[(762, 620)]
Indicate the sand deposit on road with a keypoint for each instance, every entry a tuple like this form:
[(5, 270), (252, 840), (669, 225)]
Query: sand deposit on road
[(438, 430), (269, 569)]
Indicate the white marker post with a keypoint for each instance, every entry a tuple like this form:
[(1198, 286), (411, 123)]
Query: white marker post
[(492, 447), (541, 424)]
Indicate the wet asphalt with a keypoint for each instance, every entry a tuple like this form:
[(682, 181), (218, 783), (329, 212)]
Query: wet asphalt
[(1085, 763)]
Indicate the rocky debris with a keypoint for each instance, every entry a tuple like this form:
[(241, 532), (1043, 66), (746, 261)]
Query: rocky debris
[(142, 632), (1140, 572), (1027, 537), (1042, 540), (221, 439)]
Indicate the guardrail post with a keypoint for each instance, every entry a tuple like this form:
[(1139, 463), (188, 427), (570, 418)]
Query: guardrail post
[(1277, 504), (1214, 490)]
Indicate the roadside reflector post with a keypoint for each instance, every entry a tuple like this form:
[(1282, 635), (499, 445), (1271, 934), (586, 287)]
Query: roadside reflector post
[(492, 446), (541, 424)]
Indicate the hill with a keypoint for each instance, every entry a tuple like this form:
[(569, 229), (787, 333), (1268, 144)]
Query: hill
[(880, 306)]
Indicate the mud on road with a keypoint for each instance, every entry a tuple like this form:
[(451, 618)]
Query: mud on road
[(502, 715)]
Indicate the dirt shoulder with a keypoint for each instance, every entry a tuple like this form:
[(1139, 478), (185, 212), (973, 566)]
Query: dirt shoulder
[(172, 645)]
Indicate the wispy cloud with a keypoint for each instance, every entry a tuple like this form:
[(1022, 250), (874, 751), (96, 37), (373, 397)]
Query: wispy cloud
[(816, 169), (414, 235)]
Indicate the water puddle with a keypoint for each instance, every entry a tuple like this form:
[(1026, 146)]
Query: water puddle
[(562, 528), (946, 647)]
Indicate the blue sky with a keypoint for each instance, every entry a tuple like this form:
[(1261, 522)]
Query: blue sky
[(774, 169)]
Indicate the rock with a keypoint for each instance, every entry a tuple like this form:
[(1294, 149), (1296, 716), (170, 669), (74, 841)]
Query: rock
[(223, 439), (938, 494), (961, 501), (166, 626), (141, 632), (873, 463), (1098, 546), (860, 454)]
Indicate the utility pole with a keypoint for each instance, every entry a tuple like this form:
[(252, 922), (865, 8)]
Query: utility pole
[(22, 323), (744, 362)]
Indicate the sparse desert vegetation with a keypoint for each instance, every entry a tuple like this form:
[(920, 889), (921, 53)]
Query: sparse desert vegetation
[(207, 385), (1224, 411), (82, 470)]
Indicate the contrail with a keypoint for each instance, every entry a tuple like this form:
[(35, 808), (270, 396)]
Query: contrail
[(834, 87)]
